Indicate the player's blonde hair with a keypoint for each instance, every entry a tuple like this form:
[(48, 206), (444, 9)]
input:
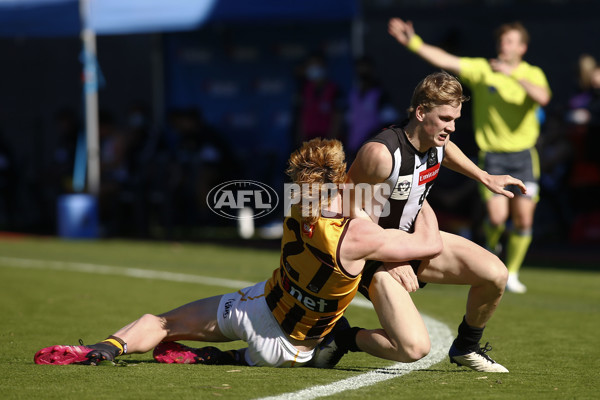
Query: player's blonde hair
[(317, 162), (437, 89)]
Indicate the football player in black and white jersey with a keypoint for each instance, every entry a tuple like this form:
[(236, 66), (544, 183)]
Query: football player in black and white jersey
[(407, 159)]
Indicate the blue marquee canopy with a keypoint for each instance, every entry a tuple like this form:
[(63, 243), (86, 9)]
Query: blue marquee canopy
[(56, 18), (112, 17)]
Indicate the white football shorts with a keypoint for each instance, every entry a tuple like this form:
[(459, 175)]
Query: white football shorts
[(244, 315)]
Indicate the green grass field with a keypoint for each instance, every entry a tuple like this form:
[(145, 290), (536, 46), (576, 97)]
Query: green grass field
[(547, 338)]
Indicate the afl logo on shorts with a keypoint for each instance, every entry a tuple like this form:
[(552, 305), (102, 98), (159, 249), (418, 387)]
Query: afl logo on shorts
[(228, 198)]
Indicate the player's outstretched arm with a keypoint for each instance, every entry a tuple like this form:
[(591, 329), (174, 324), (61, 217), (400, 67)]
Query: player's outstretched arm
[(404, 33), (457, 161)]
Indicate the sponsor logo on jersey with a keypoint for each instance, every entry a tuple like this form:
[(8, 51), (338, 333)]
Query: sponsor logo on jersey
[(309, 301), (229, 198), (402, 189), (429, 174)]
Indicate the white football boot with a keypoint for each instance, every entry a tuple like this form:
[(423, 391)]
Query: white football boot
[(476, 360)]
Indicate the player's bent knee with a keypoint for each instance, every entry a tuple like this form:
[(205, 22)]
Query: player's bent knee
[(493, 272), (418, 351), (412, 350), (151, 321), (498, 273)]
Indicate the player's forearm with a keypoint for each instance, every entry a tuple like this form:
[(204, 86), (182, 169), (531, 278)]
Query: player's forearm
[(457, 161), (438, 57), (427, 231), (404, 33), (539, 94), (396, 245)]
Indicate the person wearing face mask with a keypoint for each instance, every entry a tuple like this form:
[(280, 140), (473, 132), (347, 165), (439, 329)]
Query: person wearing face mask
[(319, 104), (507, 94)]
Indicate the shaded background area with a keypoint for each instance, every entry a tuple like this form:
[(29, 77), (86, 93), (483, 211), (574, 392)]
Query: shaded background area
[(184, 111)]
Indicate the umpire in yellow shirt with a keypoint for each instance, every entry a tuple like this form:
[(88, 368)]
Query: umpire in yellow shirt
[(507, 93)]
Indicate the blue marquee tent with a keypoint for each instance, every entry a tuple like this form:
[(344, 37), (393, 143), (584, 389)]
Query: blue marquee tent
[(61, 18), (111, 17)]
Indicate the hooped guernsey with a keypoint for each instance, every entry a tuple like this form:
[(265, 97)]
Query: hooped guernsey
[(310, 290), (410, 181)]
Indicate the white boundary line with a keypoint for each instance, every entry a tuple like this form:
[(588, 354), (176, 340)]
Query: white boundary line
[(441, 339), (440, 334), (122, 271)]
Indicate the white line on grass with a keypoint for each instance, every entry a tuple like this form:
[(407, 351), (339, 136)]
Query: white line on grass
[(441, 336), (441, 339), (122, 271)]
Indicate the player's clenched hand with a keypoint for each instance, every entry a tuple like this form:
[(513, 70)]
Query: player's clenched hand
[(402, 31), (498, 184), (403, 274)]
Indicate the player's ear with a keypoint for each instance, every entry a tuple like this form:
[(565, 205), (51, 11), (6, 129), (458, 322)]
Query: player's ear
[(420, 113)]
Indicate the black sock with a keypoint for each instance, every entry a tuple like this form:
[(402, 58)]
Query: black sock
[(112, 345), (468, 337), (234, 357), (346, 339), (108, 348)]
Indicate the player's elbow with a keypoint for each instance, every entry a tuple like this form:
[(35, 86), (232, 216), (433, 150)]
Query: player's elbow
[(544, 100), (542, 97)]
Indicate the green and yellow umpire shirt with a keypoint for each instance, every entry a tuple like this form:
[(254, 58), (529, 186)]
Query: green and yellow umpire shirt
[(504, 118)]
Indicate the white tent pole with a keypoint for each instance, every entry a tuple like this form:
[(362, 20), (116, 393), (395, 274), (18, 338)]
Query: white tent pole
[(90, 84), (158, 78)]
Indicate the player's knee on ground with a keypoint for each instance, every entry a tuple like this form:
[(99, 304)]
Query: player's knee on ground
[(413, 350), (408, 348), (408, 345)]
